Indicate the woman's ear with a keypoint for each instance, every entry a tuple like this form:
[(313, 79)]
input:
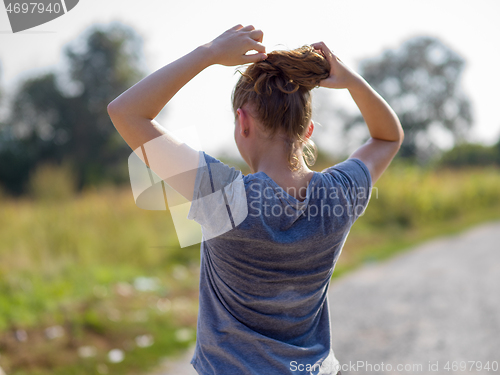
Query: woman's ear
[(310, 129), (244, 122)]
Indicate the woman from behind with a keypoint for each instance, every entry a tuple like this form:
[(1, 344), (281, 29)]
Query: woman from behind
[(271, 238)]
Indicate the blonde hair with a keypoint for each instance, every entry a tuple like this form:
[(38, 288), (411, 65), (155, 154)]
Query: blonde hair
[(279, 92)]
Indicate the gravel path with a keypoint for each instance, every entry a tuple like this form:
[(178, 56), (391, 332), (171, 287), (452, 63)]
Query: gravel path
[(435, 305)]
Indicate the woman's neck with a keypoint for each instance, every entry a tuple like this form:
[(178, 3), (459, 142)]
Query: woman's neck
[(277, 168)]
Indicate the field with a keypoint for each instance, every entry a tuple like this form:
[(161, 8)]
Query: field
[(91, 284)]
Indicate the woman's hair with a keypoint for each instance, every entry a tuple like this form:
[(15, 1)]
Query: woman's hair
[(278, 90)]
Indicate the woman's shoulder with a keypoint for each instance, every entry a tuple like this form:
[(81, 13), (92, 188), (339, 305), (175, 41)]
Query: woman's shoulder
[(352, 171)]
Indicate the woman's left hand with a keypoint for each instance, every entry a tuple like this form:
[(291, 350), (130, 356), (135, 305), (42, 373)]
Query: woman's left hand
[(230, 48)]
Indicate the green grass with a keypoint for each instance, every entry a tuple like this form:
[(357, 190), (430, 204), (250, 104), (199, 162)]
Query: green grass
[(411, 205), (73, 264), (77, 263)]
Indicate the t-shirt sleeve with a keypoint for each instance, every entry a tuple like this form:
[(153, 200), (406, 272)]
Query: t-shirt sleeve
[(354, 179), (219, 199)]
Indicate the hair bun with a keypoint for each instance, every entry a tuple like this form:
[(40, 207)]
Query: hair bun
[(302, 68)]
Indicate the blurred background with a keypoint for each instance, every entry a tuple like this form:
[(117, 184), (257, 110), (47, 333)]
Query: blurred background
[(90, 283)]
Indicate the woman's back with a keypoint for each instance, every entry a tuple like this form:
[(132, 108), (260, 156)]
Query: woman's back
[(264, 282)]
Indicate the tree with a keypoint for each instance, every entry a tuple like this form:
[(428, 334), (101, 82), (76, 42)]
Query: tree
[(421, 82), (56, 120), (28, 136), (108, 66), (1, 91)]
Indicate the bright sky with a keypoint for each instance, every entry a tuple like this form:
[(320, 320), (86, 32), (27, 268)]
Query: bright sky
[(353, 29)]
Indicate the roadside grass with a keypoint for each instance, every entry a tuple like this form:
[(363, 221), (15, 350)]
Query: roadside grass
[(410, 205), (92, 284)]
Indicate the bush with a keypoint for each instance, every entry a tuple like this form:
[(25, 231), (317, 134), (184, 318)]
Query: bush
[(470, 154), (408, 196), (3, 193), (50, 182)]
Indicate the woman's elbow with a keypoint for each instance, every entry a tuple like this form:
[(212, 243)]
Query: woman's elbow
[(112, 109)]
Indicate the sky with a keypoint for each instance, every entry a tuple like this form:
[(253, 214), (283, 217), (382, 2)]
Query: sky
[(353, 29)]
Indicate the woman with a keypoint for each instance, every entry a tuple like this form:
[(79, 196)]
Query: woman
[(271, 238)]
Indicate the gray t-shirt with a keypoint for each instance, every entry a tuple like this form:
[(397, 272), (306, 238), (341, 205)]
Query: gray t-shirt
[(266, 263)]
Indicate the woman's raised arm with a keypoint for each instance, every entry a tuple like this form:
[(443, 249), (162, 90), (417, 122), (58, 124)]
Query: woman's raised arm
[(133, 112), (383, 124)]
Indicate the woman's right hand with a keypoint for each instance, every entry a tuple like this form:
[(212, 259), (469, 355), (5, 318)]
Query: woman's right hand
[(341, 76), (231, 47)]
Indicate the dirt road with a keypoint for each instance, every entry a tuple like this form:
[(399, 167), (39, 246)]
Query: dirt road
[(432, 310)]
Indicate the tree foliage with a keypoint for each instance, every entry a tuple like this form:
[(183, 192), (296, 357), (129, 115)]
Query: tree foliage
[(66, 121), (421, 82)]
